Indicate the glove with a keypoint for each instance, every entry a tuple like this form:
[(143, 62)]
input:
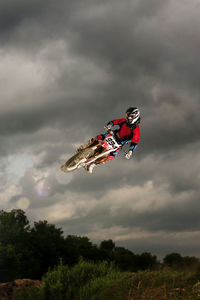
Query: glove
[(108, 127), (129, 154)]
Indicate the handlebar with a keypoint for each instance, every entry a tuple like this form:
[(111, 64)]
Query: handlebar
[(109, 130)]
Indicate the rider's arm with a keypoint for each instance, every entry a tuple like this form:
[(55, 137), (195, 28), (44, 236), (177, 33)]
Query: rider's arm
[(134, 142), (135, 139), (110, 124), (116, 122), (133, 146), (131, 150)]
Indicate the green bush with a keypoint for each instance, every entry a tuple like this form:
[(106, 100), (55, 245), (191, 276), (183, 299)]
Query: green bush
[(65, 283), (56, 283), (114, 285)]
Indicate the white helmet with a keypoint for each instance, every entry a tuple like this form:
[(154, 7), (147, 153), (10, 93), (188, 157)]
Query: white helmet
[(132, 115)]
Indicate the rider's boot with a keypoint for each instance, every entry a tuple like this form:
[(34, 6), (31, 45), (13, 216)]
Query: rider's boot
[(90, 143), (90, 167), (86, 145), (100, 160)]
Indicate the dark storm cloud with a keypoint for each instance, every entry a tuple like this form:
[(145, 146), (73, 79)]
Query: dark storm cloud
[(127, 42), (134, 50), (13, 14), (177, 216), (132, 41)]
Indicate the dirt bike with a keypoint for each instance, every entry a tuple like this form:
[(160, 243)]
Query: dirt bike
[(97, 149)]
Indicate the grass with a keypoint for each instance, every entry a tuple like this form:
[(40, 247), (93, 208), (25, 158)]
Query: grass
[(102, 281), (165, 284)]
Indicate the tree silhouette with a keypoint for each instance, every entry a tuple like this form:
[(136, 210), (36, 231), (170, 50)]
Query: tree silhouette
[(173, 259), (27, 252)]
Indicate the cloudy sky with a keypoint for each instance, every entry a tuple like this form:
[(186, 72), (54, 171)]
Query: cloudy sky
[(69, 67)]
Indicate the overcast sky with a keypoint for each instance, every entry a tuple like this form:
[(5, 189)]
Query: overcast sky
[(69, 67)]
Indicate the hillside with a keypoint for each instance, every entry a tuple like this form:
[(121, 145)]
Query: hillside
[(89, 281)]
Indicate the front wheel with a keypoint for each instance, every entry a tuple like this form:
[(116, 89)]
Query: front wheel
[(76, 160)]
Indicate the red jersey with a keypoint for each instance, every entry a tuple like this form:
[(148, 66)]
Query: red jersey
[(125, 133)]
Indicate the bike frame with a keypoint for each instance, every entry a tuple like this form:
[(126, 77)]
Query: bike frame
[(105, 146)]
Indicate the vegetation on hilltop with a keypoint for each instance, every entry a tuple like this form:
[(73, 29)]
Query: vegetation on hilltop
[(29, 252), (103, 281)]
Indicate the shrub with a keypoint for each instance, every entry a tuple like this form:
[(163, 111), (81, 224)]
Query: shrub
[(114, 285), (65, 283)]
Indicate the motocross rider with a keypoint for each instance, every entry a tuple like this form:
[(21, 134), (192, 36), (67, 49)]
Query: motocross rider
[(128, 132)]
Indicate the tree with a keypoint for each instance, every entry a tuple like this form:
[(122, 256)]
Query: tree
[(14, 227), (77, 247), (146, 261), (173, 259), (176, 261), (14, 240), (9, 263), (191, 262), (48, 246), (106, 249), (125, 259), (107, 245)]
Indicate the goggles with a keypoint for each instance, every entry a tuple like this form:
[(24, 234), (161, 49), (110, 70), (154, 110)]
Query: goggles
[(131, 116)]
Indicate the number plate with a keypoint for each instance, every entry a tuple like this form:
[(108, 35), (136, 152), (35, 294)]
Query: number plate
[(112, 144)]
